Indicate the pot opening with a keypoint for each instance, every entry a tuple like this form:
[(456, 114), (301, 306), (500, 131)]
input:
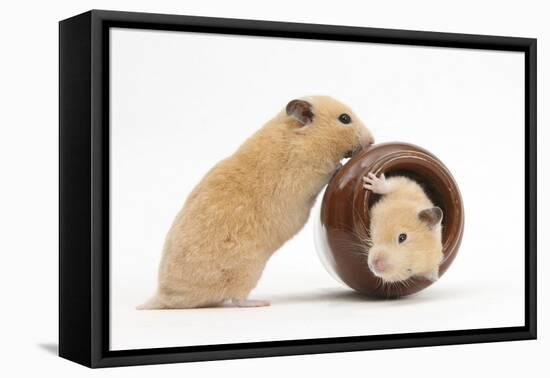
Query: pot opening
[(433, 186)]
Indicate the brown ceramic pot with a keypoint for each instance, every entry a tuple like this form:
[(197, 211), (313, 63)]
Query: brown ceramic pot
[(346, 202)]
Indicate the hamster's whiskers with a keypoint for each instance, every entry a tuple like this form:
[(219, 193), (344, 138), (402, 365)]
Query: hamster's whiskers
[(362, 247), (398, 286), (362, 233), (406, 283)]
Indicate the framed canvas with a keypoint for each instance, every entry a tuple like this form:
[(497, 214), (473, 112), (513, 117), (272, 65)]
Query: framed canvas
[(241, 127)]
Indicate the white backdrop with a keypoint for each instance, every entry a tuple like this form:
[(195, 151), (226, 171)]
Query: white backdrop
[(29, 190), (182, 101)]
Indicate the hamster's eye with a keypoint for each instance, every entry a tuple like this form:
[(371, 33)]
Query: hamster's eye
[(344, 118), (402, 238)]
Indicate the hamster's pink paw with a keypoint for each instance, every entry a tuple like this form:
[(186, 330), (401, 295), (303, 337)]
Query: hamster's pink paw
[(250, 302), (375, 184), (433, 275)]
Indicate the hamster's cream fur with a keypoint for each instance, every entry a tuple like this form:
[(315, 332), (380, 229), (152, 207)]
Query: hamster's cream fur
[(405, 230), (251, 203)]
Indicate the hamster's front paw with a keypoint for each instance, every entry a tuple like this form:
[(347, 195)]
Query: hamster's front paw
[(433, 275), (375, 184)]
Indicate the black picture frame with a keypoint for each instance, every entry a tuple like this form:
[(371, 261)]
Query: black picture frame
[(84, 188)]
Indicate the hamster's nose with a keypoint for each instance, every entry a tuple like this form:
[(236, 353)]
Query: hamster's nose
[(366, 139), (379, 264)]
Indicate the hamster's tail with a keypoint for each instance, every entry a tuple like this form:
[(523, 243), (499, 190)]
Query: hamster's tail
[(152, 304)]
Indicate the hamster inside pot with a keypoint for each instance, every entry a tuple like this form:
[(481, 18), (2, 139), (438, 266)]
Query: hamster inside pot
[(392, 237)]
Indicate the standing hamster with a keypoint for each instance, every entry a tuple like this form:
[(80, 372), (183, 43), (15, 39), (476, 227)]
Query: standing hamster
[(405, 230), (252, 202)]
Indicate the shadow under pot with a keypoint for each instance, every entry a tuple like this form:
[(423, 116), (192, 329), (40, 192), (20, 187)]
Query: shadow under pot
[(346, 206)]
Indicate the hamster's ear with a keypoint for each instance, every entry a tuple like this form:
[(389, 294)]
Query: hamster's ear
[(300, 110), (431, 216)]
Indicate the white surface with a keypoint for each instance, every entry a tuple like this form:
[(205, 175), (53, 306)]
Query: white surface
[(183, 101), (28, 151)]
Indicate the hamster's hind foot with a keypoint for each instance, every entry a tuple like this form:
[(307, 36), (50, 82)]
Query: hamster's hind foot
[(152, 304), (249, 302)]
